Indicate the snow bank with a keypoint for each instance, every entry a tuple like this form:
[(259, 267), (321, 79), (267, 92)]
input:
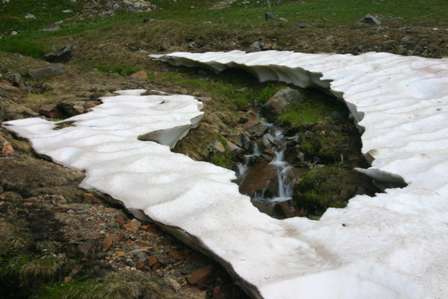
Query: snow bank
[(392, 246)]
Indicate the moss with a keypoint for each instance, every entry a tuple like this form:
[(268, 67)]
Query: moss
[(317, 107), (333, 143), (121, 285), (222, 159), (330, 186)]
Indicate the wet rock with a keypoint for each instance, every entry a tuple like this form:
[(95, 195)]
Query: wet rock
[(280, 100), (50, 111), (285, 209), (370, 20), (62, 55), (46, 72), (245, 142), (262, 176), (200, 276), (257, 129), (69, 109)]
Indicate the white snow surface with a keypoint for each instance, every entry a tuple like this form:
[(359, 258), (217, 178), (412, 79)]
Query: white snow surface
[(394, 245)]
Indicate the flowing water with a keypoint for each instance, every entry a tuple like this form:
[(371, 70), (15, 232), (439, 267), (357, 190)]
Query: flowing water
[(275, 139)]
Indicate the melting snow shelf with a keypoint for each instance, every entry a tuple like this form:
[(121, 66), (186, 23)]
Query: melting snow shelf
[(394, 245)]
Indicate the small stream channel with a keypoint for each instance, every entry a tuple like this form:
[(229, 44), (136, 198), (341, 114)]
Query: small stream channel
[(286, 177)]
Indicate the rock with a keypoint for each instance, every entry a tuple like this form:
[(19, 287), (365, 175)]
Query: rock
[(8, 90), (50, 111), (244, 142), (46, 72), (120, 219), (301, 25), (52, 28), (141, 75), (218, 147), (30, 16), (153, 261), (256, 46), (233, 148), (370, 20), (14, 33), (168, 137), (12, 110), (259, 177), (133, 225), (285, 209), (200, 276), (257, 129), (90, 104), (7, 148), (269, 16), (109, 241), (173, 283), (62, 55), (69, 109), (282, 98)]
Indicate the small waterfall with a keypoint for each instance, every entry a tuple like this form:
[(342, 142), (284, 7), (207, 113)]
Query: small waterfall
[(243, 167), (274, 144), (284, 189)]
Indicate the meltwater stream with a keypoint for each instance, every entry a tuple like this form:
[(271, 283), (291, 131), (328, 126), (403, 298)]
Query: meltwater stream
[(276, 140), (284, 188)]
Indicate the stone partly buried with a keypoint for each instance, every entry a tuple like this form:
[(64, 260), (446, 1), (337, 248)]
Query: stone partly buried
[(48, 71)]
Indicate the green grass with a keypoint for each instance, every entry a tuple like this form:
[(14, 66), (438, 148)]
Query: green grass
[(12, 14), (24, 46), (235, 88), (308, 112), (31, 41), (311, 11)]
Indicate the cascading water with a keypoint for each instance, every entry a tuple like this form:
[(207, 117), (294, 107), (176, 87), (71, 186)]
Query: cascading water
[(276, 141), (242, 167), (284, 188)]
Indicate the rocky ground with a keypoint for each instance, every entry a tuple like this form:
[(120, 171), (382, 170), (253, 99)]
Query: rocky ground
[(59, 241)]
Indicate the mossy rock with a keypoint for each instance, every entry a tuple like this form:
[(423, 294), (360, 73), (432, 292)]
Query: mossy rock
[(333, 143), (330, 186)]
